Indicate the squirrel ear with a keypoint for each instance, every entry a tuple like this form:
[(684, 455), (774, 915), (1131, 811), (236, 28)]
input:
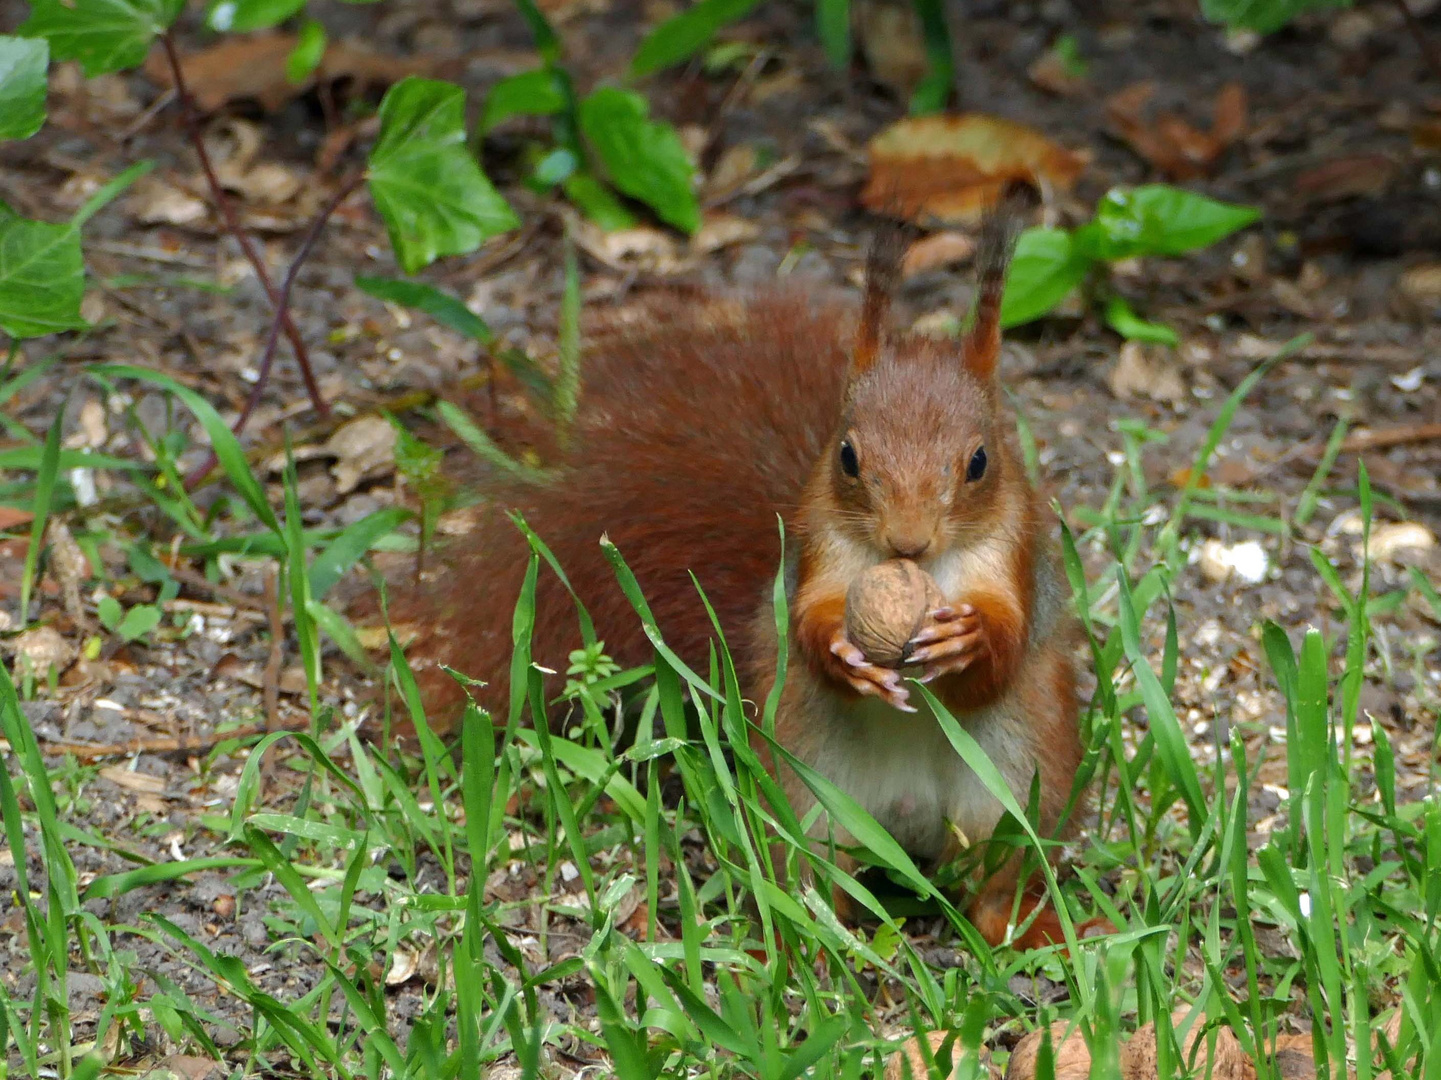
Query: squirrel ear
[(883, 270), (999, 229)]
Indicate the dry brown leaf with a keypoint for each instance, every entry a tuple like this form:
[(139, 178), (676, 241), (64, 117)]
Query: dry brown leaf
[(43, 647), (935, 251), (10, 517), (1150, 372), (139, 782), (949, 168), (1050, 73), (1171, 143), (253, 67), (722, 230), (364, 447), (155, 201), (1346, 178)]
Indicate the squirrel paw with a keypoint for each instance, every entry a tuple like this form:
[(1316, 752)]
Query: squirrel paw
[(866, 678), (950, 641)]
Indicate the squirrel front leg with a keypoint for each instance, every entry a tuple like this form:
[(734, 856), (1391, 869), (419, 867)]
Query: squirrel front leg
[(820, 630), (976, 651)]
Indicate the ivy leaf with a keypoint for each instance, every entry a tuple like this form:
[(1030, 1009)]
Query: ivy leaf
[(644, 158), (22, 86), (681, 36), (243, 16), (428, 188), (1046, 267), (1123, 320), (104, 35), (42, 276), (531, 93), (1157, 219)]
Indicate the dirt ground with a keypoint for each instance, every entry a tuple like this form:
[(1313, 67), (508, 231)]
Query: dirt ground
[(1341, 150)]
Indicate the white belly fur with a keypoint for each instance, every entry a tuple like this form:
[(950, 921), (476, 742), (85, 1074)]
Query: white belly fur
[(904, 771)]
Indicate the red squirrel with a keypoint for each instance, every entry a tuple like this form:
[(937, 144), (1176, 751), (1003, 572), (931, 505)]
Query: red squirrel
[(701, 420)]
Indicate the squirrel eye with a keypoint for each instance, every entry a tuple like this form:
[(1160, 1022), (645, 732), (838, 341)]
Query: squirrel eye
[(977, 468), (850, 464)]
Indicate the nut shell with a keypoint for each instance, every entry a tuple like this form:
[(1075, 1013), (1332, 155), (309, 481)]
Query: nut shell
[(885, 607)]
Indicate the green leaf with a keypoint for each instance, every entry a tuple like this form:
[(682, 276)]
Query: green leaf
[(109, 612), (104, 35), (442, 307), (1046, 267), (531, 93), (644, 158), (597, 202), (1263, 16), (682, 36), (243, 16), (22, 86), (833, 27), (138, 621), (1124, 321), (342, 553), (308, 52), (42, 276), (1158, 219), (425, 183)]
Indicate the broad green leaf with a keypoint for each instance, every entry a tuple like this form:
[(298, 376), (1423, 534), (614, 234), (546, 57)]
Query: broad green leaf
[(1124, 321), (531, 93), (442, 307), (644, 158), (425, 183), (682, 36), (138, 621), (104, 35), (308, 52), (22, 86), (1046, 267), (597, 202), (1158, 219), (1263, 16), (242, 16), (42, 276)]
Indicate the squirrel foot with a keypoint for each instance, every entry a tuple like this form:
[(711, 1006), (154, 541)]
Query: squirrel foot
[(853, 669), (950, 641)]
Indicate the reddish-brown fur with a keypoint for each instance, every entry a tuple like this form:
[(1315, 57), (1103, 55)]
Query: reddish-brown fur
[(704, 421)]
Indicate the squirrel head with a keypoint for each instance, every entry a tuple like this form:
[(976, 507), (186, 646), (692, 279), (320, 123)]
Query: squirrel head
[(920, 462)]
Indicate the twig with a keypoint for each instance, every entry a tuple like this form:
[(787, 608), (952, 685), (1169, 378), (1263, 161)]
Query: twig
[(1380, 438), (166, 744), (232, 224), (1423, 40), (267, 356)]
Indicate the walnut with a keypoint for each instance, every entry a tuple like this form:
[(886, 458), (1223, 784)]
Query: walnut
[(886, 606)]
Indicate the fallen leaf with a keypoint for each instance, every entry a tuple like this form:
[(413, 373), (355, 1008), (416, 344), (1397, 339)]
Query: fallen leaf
[(362, 448), (935, 251), (253, 67), (184, 1067), (1345, 178), (11, 517), (1150, 372), (155, 201), (1403, 543), (950, 168), (1053, 74), (143, 783), (1171, 143), (1422, 284), (722, 230)]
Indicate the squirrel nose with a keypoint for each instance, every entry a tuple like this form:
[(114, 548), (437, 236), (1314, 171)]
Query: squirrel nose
[(909, 546)]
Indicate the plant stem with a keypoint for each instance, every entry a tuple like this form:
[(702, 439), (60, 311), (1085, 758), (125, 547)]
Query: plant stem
[(233, 226), (267, 356)]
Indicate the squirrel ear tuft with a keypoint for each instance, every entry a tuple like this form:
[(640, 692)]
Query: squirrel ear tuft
[(1002, 224), (883, 271)]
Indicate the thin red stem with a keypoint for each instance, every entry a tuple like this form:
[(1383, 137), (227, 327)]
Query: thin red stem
[(267, 356), (233, 226)]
